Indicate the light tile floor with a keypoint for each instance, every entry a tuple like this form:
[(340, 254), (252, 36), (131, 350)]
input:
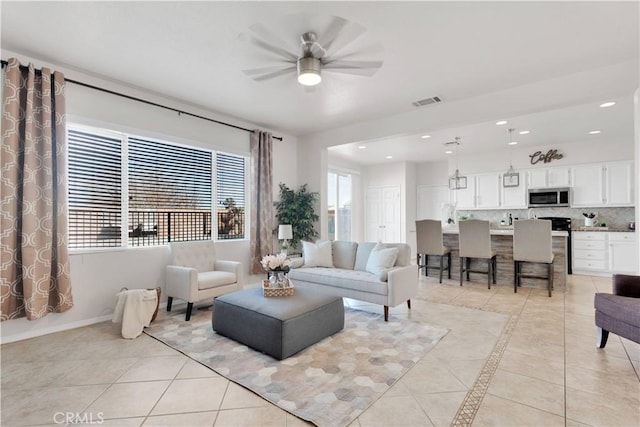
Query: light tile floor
[(548, 370)]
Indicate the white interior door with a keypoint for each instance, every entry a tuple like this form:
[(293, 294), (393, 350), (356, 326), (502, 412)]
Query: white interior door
[(383, 214)]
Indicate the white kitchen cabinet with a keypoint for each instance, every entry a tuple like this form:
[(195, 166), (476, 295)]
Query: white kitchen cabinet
[(548, 177), (514, 197), (589, 251), (618, 184), (465, 198), (482, 192), (623, 254), (559, 177), (488, 191), (588, 188), (602, 184)]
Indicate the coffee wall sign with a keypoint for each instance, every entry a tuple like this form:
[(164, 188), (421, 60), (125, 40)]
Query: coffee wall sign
[(547, 157)]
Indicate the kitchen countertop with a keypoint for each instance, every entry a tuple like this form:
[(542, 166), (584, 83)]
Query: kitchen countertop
[(609, 229), (506, 231)]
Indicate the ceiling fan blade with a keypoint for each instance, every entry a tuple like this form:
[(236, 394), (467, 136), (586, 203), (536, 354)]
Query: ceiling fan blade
[(272, 48), (342, 64), (346, 35), (330, 34), (266, 73)]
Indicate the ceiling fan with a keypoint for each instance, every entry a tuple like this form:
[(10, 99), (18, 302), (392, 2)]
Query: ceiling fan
[(318, 52)]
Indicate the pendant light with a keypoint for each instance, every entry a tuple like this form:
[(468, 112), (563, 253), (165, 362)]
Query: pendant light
[(511, 178), (456, 181)]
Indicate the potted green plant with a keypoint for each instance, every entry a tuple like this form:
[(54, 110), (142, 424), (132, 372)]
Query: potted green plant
[(298, 209)]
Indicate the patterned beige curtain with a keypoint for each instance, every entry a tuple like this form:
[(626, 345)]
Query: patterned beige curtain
[(261, 199), (33, 192)]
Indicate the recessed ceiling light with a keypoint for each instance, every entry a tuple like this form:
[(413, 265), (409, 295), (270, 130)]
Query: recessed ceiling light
[(501, 122), (524, 132), (594, 132), (448, 152), (362, 147), (513, 142), (425, 136), (389, 157), (607, 104)]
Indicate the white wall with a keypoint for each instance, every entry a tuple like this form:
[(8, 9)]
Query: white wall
[(97, 276), (432, 173)]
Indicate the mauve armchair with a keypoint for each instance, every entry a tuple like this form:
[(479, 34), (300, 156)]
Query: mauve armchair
[(619, 312), (195, 274)]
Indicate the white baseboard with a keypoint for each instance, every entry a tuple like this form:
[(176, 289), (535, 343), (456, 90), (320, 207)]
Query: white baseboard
[(60, 328)]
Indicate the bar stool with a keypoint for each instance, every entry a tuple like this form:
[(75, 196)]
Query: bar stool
[(429, 243), (475, 242), (532, 243)]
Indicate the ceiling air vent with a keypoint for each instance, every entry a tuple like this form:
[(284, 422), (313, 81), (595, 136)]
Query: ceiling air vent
[(427, 101)]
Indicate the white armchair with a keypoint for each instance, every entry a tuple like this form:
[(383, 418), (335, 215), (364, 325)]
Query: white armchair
[(195, 274)]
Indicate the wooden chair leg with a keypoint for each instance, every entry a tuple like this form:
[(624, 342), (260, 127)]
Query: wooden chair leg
[(441, 266), (449, 264), (426, 264), (189, 308), (602, 337), (461, 269), (489, 272), (169, 302), (550, 279), (386, 313), (495, 267), (468, 260), (515, 277), (409, 304)]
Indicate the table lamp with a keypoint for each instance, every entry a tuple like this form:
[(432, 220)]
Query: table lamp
[(285, 232)]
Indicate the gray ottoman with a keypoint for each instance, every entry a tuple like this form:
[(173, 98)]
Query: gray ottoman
[(277, 326)]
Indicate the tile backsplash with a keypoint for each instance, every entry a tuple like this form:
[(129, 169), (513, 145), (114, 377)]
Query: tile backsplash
[(614, 218)]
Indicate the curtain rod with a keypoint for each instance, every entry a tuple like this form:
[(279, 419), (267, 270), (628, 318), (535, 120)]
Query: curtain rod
[(144, 101)]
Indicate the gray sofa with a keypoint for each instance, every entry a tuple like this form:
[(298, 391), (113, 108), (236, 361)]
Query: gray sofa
[(349, 278), (619, 312)]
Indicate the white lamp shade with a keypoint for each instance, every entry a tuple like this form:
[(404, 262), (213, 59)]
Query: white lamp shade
[(285, 232)]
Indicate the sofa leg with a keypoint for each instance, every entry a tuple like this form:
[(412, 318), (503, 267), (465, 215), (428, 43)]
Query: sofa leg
[(602, 337), (386, 313), (189, 308), (169, 302), (409, 304)]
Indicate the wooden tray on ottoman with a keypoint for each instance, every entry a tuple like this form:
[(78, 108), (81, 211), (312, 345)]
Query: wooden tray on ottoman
[(268, 291)]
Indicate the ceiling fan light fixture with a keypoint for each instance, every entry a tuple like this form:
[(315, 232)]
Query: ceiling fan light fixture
[(309, 71)]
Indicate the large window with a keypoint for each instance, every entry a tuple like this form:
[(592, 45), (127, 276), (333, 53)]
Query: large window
[(230, 185), (339, 204), (131, 191), (95, 189)]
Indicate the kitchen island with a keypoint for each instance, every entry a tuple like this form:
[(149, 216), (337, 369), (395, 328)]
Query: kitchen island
[(502, 244)]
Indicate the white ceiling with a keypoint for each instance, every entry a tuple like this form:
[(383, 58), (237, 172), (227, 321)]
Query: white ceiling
[(191, 51)]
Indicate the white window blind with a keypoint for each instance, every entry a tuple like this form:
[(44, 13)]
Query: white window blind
[(95, 186), (132, 191), (169, 192), (230, 186)]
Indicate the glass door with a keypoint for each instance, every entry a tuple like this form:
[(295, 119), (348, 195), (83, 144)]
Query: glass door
[(339, 205)]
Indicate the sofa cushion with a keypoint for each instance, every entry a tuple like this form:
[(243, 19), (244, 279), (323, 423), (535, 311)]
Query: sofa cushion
[(404, 253), (341, 278), (362, 255), (381, 259), (213, 279), (344, 254), (317, 254)]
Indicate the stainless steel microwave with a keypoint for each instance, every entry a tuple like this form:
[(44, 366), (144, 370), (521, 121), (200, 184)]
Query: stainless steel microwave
[(549, 197)]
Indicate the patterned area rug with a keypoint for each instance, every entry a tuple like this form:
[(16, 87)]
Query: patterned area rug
[(330, 383)]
